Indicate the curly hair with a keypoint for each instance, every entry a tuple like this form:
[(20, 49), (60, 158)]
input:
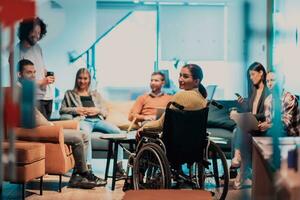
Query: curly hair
[(27, 25)]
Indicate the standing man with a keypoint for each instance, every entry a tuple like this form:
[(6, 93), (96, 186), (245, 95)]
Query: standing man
[(146, 106), (30, 32)]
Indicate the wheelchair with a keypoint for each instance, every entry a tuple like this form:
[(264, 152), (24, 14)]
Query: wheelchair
[(158, 158)]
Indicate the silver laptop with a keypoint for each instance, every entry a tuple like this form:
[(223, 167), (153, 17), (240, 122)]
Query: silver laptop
[(210, 89)]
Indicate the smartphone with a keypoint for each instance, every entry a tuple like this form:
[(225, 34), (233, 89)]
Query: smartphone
[(238, 95), (50, 73)]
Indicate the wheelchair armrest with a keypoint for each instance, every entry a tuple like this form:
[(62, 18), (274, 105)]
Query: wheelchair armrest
[(151, 134)]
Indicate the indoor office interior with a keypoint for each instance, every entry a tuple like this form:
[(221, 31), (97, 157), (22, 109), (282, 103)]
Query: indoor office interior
[(247, 56)]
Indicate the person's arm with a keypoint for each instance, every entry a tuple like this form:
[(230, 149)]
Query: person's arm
[(42, 83), (290, 103), (66, 107), (268, 109), (156, 125), (45, 80), (100, 107), (260, 117), (137, 109)]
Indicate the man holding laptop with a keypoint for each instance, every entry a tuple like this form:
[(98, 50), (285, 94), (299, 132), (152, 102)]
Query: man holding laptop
[(149, 106)]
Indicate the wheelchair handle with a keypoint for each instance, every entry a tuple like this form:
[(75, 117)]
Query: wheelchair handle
[(216, 104)]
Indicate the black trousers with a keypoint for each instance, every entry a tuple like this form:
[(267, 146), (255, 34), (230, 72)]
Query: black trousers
[(45, 107)]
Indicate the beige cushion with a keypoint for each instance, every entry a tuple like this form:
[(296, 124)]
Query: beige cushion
[(118, 113)]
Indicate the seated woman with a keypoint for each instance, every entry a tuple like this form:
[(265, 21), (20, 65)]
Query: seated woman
[(192, 97), (255, 105), (88, 106)]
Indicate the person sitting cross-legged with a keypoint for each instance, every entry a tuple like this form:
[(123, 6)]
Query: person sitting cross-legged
[(90, 109)]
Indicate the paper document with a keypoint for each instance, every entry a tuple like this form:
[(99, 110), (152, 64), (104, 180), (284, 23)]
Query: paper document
[(123, 135), (114, 136), (245, 121)]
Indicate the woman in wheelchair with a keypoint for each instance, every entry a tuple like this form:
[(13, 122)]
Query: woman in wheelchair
[(158, 159), (192, 96)]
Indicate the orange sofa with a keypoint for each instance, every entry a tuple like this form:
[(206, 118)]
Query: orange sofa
[(58, 157)]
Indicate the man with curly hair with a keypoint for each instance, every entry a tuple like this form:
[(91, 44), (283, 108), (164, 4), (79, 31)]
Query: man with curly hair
[(30, 32)]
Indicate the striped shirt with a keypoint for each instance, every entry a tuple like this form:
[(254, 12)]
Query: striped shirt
[(290, 114)]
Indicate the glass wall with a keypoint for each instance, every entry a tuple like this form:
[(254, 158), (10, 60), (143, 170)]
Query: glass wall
[(286, 50), (125, 58), (158, 36)]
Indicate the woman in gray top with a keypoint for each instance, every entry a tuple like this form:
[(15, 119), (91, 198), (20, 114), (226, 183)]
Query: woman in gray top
[(88, 106)]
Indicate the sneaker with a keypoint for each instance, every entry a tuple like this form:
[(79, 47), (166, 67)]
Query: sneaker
[(92, 177), (77, 181)]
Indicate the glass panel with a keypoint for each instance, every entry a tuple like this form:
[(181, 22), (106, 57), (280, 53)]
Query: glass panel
[(286, 42), (125, 57)]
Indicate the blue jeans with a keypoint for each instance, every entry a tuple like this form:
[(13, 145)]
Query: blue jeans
[(97, 125), (243, 142)]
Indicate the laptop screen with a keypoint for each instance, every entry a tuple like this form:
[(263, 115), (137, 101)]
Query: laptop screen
[(159, 112), (210, 89)]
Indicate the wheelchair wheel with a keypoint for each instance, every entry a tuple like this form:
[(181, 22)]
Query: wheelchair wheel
[(215, 178), (151, 169)]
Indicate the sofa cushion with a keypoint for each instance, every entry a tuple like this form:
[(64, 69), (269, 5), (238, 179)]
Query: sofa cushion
[(219, 118), (118, 113), (222, 133)]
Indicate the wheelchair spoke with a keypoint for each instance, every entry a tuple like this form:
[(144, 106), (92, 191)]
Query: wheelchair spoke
[(149, 170)]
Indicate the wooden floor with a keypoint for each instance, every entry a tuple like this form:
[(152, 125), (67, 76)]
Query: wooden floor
[(13, 192)]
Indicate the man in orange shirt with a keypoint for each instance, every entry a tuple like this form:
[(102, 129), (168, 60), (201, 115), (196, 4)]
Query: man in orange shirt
[(146, 106)]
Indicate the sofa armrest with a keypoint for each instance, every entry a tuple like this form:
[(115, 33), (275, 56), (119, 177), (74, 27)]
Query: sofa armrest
[(67, 124), (53, 134)]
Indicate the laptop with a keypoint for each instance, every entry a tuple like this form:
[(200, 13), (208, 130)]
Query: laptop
[(159, 112), (210, 89)]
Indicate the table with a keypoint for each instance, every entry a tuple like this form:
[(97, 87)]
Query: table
[(267, 182), (113, 144)]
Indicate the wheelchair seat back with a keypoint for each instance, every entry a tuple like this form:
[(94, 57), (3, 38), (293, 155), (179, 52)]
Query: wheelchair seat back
[(184, 134)]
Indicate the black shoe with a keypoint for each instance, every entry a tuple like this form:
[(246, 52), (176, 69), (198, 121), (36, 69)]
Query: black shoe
[(77, 181), (128, 184), (92, 177)]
